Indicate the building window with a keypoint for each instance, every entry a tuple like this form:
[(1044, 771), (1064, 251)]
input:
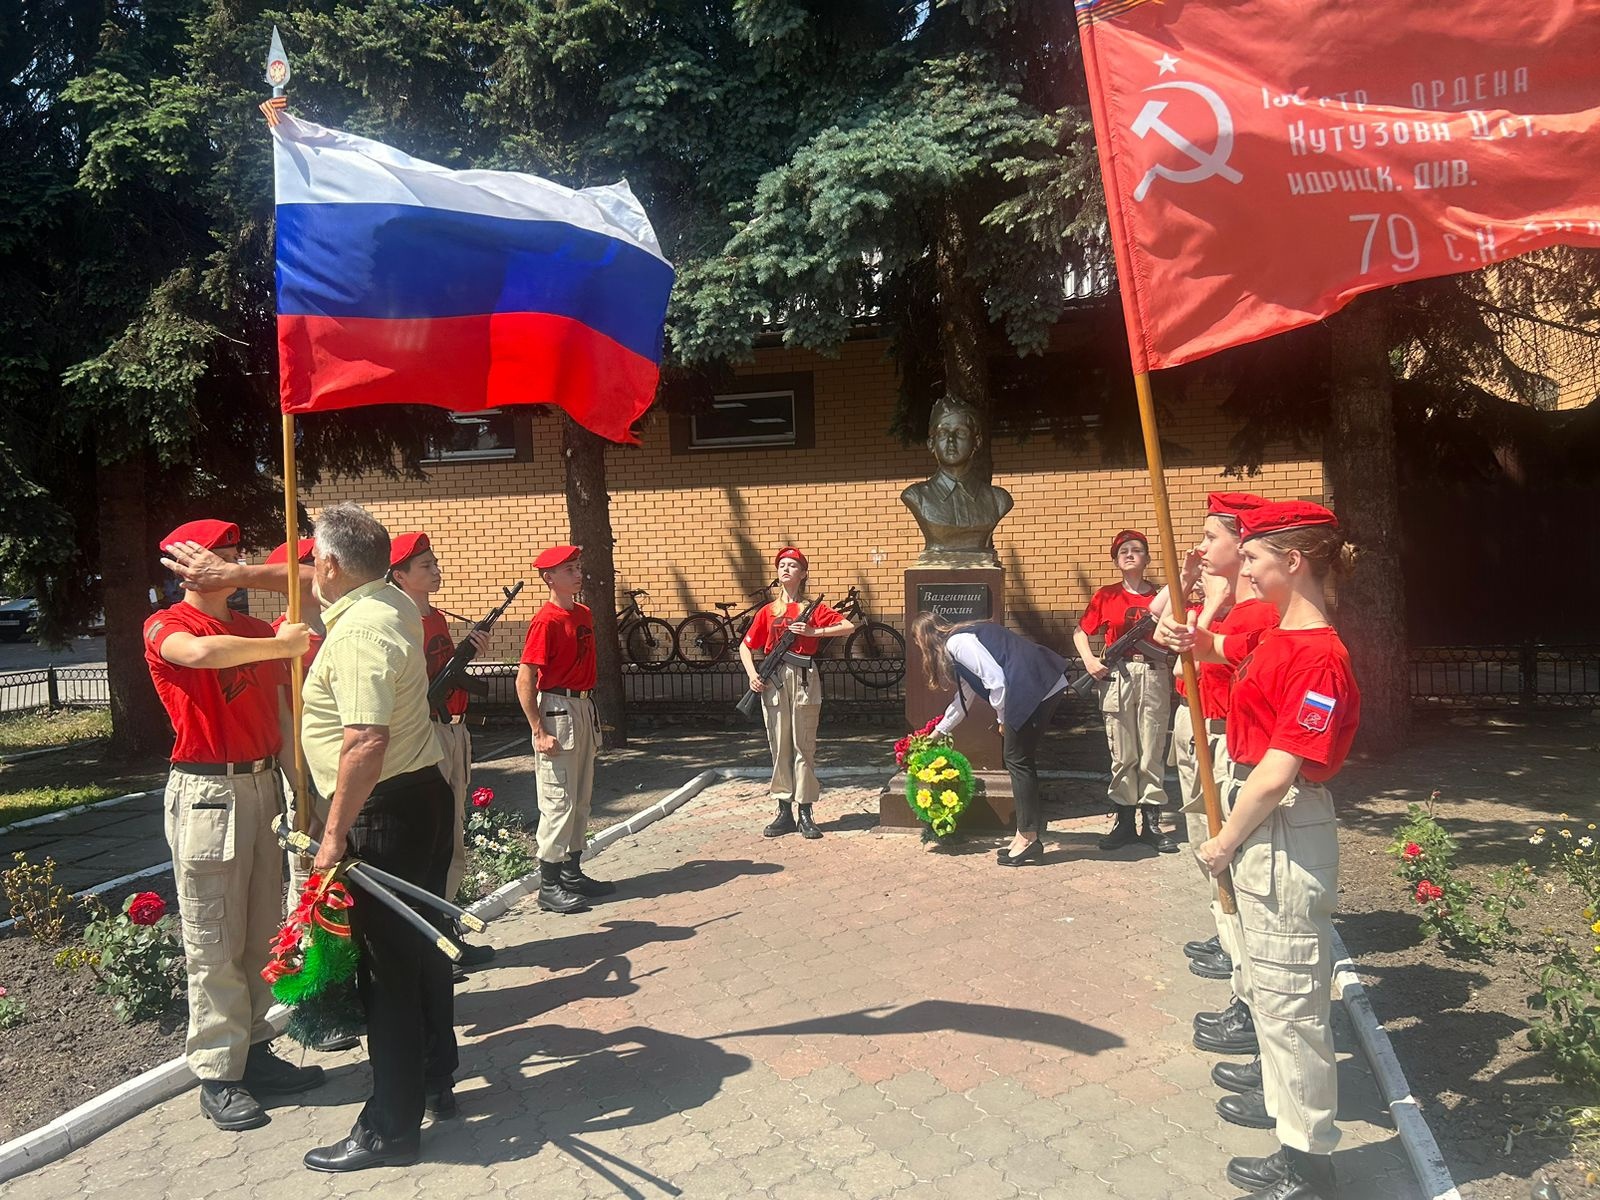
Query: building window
[(753, 411), (477, 437)]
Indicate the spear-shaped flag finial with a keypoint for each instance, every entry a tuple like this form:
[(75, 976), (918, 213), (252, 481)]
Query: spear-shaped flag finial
[(277, 64)]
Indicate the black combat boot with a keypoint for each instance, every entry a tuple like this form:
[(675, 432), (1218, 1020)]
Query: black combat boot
[(1212, 945), (783, 823), (1305, 1177), (1123, 832), (1212, 966), (1235, 1033), (1248, 1109), (1150, 830), (574, 880), (553, 894), (808, 828), (1236, 1008), (1256, 1173), (1238, 1077)]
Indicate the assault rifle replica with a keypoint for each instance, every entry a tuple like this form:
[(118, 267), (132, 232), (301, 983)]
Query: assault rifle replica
[(750, 704), (454, 675), (1119, 652)]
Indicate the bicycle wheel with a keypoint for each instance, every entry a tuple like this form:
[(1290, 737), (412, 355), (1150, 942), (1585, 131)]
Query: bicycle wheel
[(876, 655), (650, 644), (702, 640)]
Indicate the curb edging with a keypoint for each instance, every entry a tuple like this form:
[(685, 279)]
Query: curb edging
[(1422, 1151), (61, 814)]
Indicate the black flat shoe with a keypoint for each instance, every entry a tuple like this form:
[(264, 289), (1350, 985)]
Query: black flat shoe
[(362, 1150), (440, 1104), (1248, 1109), (1032, 852)]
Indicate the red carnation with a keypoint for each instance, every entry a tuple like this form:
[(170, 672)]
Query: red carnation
[(146, 908), (1412, 850), (481, 797), (1428, 891)]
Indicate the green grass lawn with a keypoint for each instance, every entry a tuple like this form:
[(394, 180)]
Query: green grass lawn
[(38, 730), (35, 802)]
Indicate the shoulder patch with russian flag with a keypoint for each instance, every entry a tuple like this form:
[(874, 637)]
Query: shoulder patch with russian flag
[(1316, 711)]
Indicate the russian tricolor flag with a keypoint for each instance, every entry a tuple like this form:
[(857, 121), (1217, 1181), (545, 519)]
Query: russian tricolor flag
[(402, 282)]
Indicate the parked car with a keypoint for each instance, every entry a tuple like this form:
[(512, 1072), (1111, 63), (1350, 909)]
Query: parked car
[(17, 617)]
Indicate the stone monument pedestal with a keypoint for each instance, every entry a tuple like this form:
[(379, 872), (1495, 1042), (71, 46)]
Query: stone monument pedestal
[(956, 594)]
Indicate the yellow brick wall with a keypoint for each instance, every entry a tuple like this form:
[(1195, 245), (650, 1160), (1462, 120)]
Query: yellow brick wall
[(698, 528)]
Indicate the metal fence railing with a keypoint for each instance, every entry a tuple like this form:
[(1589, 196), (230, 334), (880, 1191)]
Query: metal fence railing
[(1478, 676), (1528, 674), (54, 687)]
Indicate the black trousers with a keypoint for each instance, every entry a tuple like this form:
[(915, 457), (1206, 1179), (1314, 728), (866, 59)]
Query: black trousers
[(404, 982), (1018, 749)]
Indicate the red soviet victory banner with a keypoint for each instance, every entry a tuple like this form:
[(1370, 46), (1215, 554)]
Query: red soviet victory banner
[(1266, 162)]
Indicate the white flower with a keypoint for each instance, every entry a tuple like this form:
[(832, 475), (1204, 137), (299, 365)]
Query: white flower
[(1536, 840), (1586, 842)]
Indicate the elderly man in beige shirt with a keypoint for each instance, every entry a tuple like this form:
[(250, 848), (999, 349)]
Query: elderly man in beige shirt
[(372, 751)]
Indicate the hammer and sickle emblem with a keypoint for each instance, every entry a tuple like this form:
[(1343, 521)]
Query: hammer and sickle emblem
[(1207, 164)]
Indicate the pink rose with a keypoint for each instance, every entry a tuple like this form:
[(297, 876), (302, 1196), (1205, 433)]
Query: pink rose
[(1412, 850)]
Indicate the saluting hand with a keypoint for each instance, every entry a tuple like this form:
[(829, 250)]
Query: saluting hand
[(294, 638), (197, 568)]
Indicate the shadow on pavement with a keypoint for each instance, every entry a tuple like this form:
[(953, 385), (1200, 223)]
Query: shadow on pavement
[(939, 1016), (696, 875)]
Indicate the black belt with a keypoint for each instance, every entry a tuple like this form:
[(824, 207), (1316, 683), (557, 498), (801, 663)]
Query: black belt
[(1213, 726), (555, 691), (253, 767), (452, 719)]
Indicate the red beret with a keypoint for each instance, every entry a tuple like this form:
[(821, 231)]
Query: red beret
[(279, 556), (1285, 515), (555, 556), (213, 535), (1128, 535), (791, 552), (407, 546), (1233, 504)]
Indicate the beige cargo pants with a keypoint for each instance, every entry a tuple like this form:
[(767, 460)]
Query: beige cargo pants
[(229, 874), (791, 706), (1286, 877), (566, 779), (1136, 702), (456, 766), (1194, 817)]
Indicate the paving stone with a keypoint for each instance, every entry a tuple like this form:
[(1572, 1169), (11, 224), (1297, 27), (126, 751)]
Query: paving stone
[(689, 1037)]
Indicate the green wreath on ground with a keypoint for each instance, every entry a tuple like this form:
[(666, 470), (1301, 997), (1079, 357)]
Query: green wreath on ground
[(939, 787)]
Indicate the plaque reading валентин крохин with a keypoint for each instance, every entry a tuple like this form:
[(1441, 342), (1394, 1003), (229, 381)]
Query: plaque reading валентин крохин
[(955, 601)]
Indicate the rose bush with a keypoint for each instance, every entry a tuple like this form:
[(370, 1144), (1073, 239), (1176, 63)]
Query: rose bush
[(138, 962), (499, 848)]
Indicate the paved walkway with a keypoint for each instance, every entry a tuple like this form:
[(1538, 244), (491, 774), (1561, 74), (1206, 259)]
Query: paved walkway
[(851, 1017)]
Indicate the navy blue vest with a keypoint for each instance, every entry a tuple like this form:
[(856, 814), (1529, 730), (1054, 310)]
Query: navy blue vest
[(1030, 670)]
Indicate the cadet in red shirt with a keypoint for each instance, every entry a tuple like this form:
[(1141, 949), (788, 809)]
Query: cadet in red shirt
[(1293, 713), (221, 677), (791, 700), (1135, 698), (554, 685), (414, 568)]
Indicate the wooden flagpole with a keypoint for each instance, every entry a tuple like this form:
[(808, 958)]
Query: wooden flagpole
[(1172, 568)]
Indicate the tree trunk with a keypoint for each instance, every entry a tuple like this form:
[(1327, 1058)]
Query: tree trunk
[(589, 515), (963, 326), (139, 724), (1360, 459)]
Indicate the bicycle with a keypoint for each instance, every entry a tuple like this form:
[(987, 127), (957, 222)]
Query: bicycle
[(875, 653), (704, 638), (649, 642)]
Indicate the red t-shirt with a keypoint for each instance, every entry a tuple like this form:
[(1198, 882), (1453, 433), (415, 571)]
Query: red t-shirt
[(1293, 690), (561, 644), (1248, 619), (316, 642), (766, 629), (1115, 609), (226, 715), (438, 647)]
